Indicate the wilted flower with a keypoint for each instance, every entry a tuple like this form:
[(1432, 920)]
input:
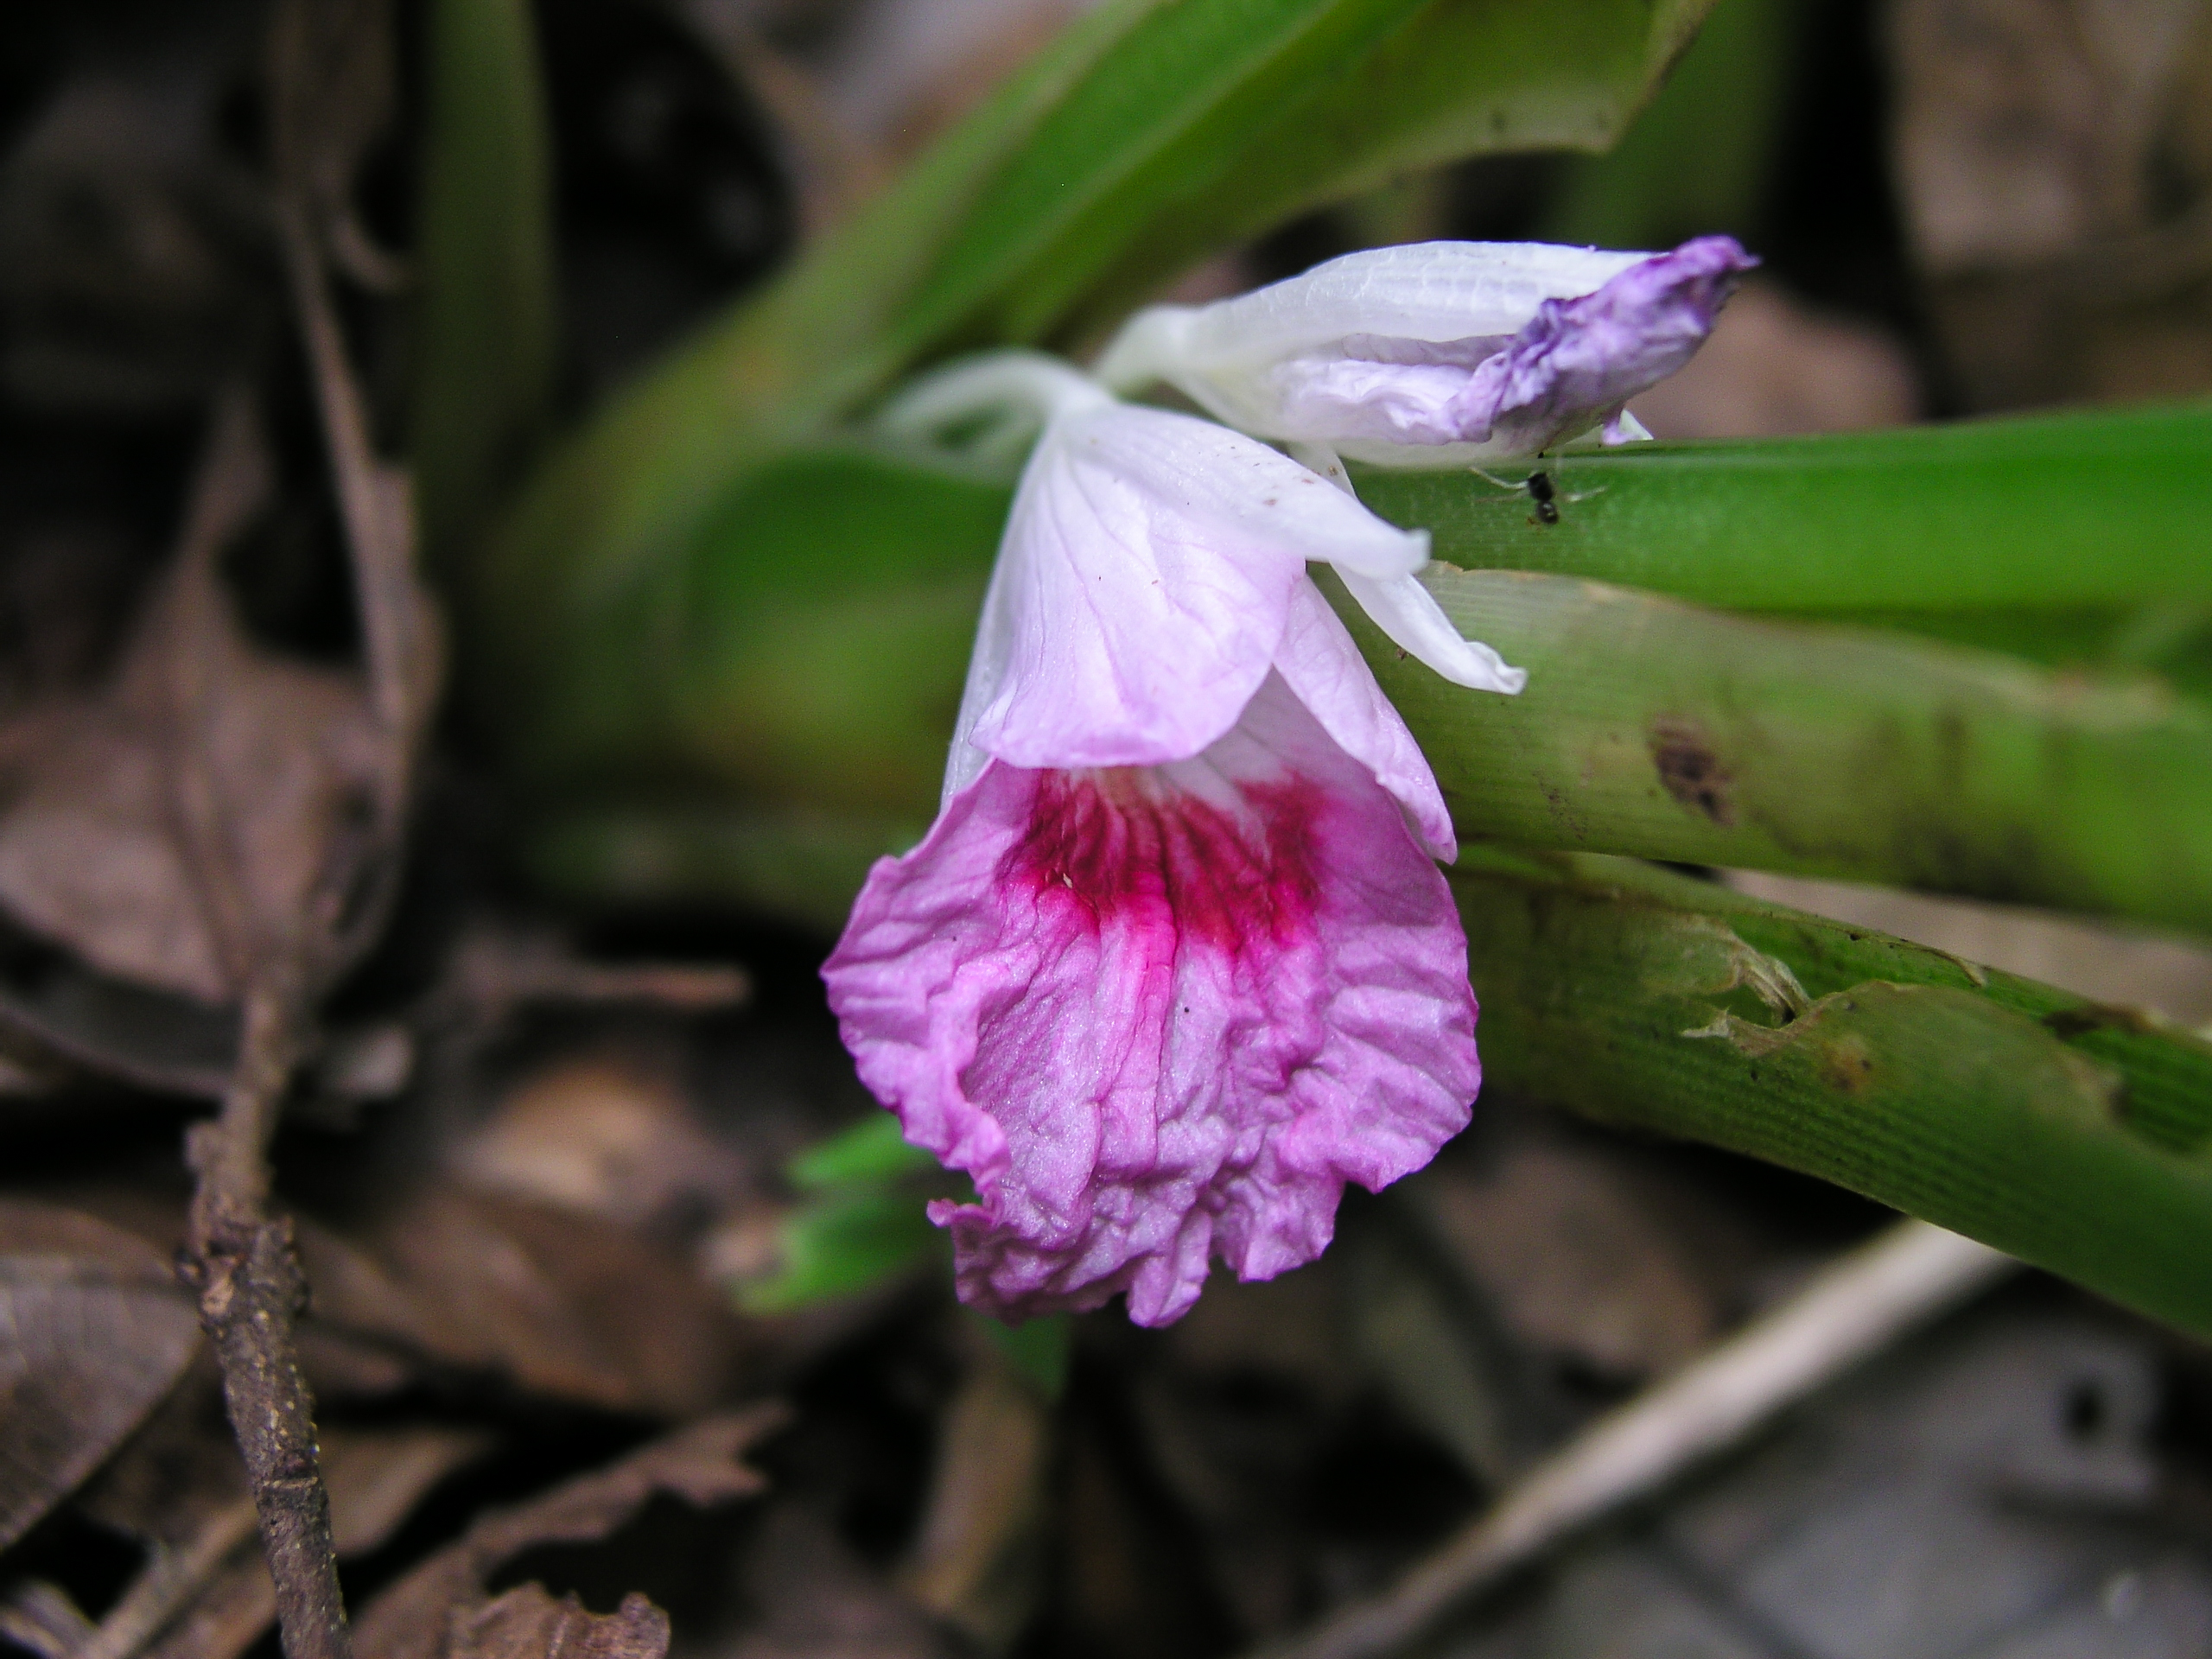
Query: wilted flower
[(1439, 351), (1174, 963)]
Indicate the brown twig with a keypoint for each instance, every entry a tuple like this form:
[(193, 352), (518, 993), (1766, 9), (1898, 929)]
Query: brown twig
[(238, 1257), (242, 1263)]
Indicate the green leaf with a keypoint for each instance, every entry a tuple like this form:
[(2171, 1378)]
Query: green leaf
[(1658, 729), (1463, 77), (875, 1152), (617, 502), (809, 647), (1153, 131), (1041, 1350), (1697, 160), (800, 866), (820, 695), (863, 1220), (2105, 508), (1175, 107), (486, 338), (2067, 1133), (844, 1244)]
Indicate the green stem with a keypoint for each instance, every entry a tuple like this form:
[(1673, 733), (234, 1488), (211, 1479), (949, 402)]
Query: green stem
[(1658, 729)]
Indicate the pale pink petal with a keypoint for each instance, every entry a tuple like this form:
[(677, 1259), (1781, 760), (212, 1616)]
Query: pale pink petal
[(1143, 586), (1162, 1015), (1323, 668)]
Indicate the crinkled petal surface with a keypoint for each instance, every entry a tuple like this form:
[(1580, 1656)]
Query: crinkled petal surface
[(1143, 586), (1162, 1015)]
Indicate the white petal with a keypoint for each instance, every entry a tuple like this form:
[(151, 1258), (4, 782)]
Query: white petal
[(1409, 613), (1219, 354), (1324, 669), (1142, 589)]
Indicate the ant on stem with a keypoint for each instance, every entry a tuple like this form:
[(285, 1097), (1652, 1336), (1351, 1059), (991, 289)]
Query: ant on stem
[(1541, 488)]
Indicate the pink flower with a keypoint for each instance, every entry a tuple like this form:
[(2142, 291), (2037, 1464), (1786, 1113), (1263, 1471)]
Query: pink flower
[(1174, 963), (1435, 351)]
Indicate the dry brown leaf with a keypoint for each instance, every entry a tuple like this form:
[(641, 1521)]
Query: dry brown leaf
[(603, 1137), (280, 760), (1774, 365), (376, 1478), (94, 1330), (179, 1488), (561, 1304), (441, 1610), (808, 1595), (134, 273), (62, 1019), (527, 1623), (912, 68), (333, 87), (1579, 1265), (980, 1560)]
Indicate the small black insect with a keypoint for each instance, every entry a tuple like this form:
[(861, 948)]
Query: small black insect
[(1539, 486)]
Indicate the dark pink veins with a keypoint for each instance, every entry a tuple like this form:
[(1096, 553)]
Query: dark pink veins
[(1127, 844)]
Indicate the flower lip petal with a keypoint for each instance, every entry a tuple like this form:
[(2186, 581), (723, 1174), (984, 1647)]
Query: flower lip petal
[(1142, 587), (1161, 1015)]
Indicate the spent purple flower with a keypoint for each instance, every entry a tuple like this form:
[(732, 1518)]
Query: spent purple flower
[(1439, 351)]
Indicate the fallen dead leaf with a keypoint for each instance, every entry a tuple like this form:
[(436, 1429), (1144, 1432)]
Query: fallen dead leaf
[(980, 1560), (527, 1623), (806, 1594), (2056, 178), (441, 1610), (63, 1020), (600, 1137), (94, 1330), (280, 760), (333, 75), (1774, 365), (560, 1303), (1578, 1264), (376, 1478), (38, 1615)]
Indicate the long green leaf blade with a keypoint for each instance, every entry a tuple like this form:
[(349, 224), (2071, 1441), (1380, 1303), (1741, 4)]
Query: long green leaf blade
[(486, 333), (1463, 77), (1633, 996), (2102, 508), (1153, 132)]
